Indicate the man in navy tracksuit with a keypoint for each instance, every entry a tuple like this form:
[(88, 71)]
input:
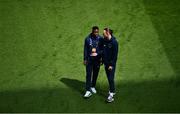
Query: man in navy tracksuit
[(92, 59), (110, 53)]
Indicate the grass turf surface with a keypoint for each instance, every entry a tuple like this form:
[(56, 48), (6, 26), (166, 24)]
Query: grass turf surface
[(41, 45)]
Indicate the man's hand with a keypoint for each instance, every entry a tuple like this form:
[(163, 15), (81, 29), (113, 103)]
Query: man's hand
[(110, 68), (94, 54), (85, 62)]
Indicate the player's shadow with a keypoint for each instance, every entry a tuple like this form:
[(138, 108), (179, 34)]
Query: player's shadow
[(74, 84), (79, 86)]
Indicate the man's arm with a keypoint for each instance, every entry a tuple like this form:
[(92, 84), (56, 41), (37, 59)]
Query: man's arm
[(85, 51), (101, 47), (115, 53)]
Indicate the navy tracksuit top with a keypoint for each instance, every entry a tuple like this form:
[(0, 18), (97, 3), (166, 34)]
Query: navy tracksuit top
[(110, 51), (92, 42)]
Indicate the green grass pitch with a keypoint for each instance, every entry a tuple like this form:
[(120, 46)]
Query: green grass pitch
[(41, 48)]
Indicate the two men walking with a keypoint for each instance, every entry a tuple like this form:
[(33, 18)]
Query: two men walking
[(98, 50)]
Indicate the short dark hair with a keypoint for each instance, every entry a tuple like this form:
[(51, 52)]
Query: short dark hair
[(94, 28), (109, 30)]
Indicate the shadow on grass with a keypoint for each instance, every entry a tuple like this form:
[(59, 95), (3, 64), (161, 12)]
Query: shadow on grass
[(74, 84), (149, 96), (79, 86)]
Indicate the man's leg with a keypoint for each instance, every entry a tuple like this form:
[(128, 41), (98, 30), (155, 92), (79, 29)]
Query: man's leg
[(110, 76), (88, 76), (96, 68)]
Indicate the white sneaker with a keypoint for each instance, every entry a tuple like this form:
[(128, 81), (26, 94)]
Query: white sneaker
[(87, 94), (93, 90), (110, 98), (112, 93)]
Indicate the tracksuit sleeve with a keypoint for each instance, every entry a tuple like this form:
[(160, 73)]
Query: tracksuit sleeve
[(100, 47), (115, 53), (85, 50)]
